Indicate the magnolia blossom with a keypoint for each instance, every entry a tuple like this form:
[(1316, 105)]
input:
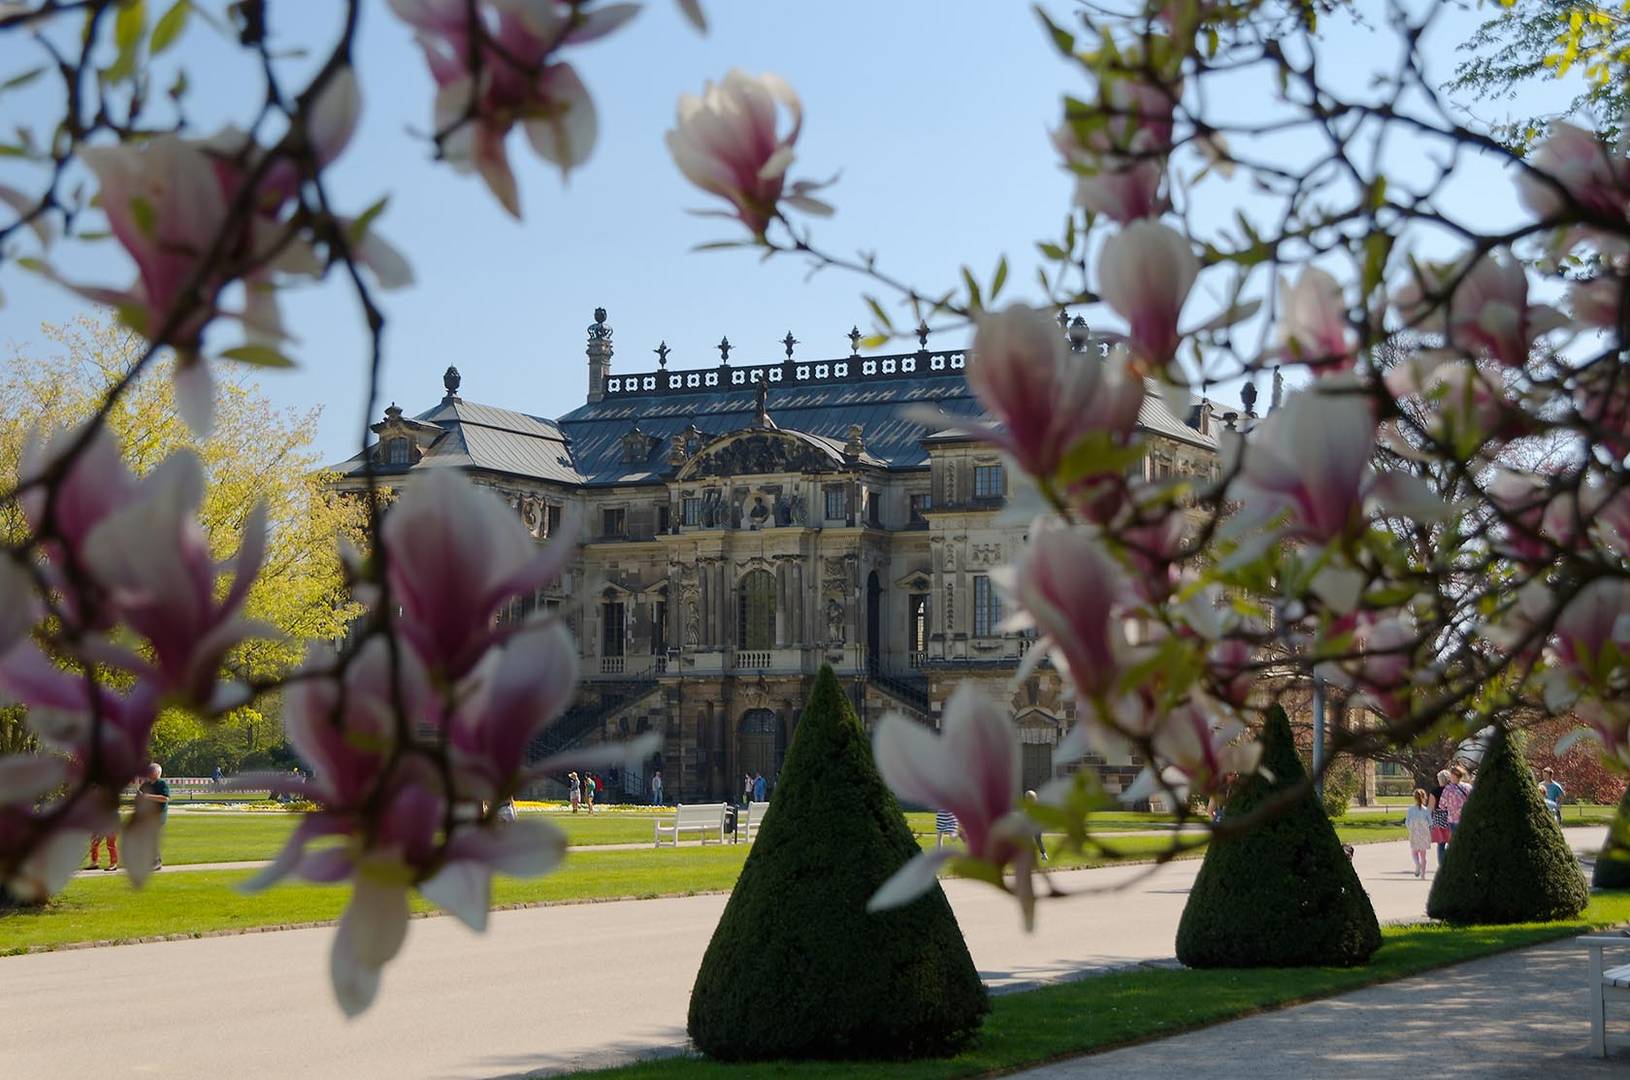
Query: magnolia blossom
[(1047, 398), (518, 691), (103, 733), (1464, 406), (1382, 670), (153, 558), (1121, 186), (971, 768), (494, 67), (725, 143), (1601, 302), (1313, 326), (1587, 169), (455, 555), (1310, 459), (1071, 589), (1483, 308), (1602, 397), (1145, 272), (1593, 631), (1197, 748)]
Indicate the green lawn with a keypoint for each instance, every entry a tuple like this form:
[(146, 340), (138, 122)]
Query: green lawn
[(107, 909), (1074, 1018)]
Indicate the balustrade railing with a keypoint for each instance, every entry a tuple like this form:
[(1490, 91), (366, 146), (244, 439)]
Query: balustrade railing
[(756, 660), (612, 665)]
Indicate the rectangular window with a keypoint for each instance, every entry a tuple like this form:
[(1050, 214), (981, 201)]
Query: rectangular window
[(988, 482), (551, 519), (919, 504), (612, 523), (987, 607), (690, 510), (874, 509), (659, 627), (396, 452), (837, 504), (917, 612), (612, 629), (662, 518)]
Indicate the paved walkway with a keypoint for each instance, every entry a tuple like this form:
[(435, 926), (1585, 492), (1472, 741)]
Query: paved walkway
[(1518, 1015), (546, 989)]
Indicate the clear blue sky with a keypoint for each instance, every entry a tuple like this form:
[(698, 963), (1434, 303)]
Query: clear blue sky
[(936, 113)]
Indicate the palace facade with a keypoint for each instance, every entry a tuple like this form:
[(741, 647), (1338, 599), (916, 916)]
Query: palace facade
[(745, 524)]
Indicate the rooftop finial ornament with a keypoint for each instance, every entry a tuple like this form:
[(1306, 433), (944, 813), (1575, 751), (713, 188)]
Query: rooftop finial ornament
[(922, 334), (789, 341), (662, 353), (724, 350), (1080, 334), (1247, 395), (854, 341), (599, 331), (452, 380), (1063, 320)]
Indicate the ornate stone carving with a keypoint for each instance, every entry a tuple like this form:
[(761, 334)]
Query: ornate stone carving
[(834, 621), (760, 452), (985, 554)]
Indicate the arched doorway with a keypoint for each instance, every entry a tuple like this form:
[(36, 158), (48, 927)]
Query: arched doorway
[(759, 746), (874, 622)]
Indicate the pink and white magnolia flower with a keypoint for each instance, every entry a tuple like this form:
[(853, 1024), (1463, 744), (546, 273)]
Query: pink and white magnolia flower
[(1313, 327), (1602, 397), (1602, 302), (1122, 186), (60, 711), (971, 768), (1593, 631), (1047, 398), (1591, 173), (1074, 592), (1197, 748), (1483, 308), (1145, 272), (1465, 406), (455, 554), (518, 690), (153, 557), (1310, 458), (725, 142), (501, 72)]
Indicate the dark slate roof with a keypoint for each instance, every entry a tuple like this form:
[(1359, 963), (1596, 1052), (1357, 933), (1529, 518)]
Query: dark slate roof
[(826, 410), (487, 437)]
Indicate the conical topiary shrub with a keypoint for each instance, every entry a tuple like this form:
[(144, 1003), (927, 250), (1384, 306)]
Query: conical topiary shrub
[(1613, 864), (796, 967), (1508, 861), (1283, 894)]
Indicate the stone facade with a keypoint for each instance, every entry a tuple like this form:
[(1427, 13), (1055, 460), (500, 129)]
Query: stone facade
[(743, 525)]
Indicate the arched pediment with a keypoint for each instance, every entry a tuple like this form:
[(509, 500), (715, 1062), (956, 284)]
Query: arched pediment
[(750, 453)]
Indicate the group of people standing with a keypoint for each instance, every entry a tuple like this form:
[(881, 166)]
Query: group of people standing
[(152, 790), (581, 789), (1436, 814), (753, 788)]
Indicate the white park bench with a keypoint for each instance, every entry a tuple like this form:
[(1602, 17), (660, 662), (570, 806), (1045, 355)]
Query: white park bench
[(748, 825), (703, 818), (1605, 983)]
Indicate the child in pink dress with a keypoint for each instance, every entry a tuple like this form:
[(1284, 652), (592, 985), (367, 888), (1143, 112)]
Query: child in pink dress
[(1418, 823)]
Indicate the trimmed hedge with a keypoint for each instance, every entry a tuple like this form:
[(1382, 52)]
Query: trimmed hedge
[(1508, 861), (1613, 863), (1283, 894), (797, 968)]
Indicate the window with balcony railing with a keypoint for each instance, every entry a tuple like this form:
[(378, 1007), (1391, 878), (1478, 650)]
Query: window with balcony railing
[(690, 510)]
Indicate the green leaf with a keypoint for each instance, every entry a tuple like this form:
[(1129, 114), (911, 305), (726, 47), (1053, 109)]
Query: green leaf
[(142, 211), (359, 227), (1377, 249), (878, 313), (975, 300), (712, 245), (169, 27), (1052, 251), (999, 279), (129, 25), (258, 356), (21, 79), (1063, 40)]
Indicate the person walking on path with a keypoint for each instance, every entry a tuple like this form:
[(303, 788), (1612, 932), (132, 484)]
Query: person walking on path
[(1030, 799), (589, 784), (574, 790), (1418, 823), (113, 850), (1553, 794), (758, 788), (656, 788), (746, 788), (945, 824), (1453, 799), (154, 793), (1440, 814)]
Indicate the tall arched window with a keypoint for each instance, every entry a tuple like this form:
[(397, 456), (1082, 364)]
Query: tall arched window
[(755, 622)]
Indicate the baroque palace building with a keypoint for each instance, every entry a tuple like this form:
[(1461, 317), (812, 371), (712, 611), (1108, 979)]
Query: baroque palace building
[(745, 524)]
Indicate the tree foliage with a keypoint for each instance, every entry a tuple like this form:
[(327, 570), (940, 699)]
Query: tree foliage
[(1508, 861), (1283, 894), (797, 967), (1613, 862), (256, 453)]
